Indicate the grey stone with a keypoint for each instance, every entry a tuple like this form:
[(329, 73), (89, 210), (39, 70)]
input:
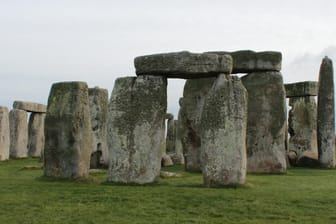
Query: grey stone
[(302, 125), (166, 161), (247, 61), (194, 93), (266, 124), (30, 107), (169, 116), (301, 89), (223, 133), (308, 159), (18, 134), (326, 115), (98, 99), (170, 139), (177, 156), (136, 128), (4, 133), (183, 65), (68, 137), (36, 134)]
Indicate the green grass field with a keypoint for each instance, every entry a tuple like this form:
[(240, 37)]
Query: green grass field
[(300, 196)]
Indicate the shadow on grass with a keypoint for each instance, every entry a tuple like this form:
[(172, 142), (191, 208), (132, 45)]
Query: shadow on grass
[(89, 179)]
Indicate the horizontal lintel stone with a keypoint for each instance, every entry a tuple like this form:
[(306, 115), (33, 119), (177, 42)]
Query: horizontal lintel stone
[(30, 107), (300, 89), (183, 65)]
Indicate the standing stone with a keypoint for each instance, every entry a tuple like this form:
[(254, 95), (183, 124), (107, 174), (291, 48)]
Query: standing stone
[(98, 99), (136, 128), (68, 136), (18, 133), (170, 139), (302, 125), (223, 133), (192, 103), (4, 133), (266, 123), (36, 134), (178, 157), (326, 115)]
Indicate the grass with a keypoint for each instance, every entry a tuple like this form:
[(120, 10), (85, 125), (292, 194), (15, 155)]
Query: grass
[(300, 196)]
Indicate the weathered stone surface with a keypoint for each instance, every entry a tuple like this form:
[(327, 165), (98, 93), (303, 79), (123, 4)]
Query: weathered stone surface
[(194, 93), (170, 138), (18, 133), (177, 156), (4, 133), (326, 115), (223, 133), (98, 101), (247, 61), (308, 159), (30, 107), (266, 125), (301, 89), (36, 134), (166, 160), (302, 125), (68, 136), (183, 65), (136, 128)]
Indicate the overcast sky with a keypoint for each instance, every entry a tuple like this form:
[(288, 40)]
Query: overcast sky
[(47, 41)]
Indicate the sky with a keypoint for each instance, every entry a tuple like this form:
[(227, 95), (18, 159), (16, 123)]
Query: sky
[(96, 41)]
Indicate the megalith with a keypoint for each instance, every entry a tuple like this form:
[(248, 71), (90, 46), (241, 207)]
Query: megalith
[(326, 115), (136, 128), (170, 138), (30, 106), (194, 94), (68, 136), (98, 99), (4, 133), (223, 133), (302, 119), (18, 133), (266, 122), (178, 157), (36, 134)]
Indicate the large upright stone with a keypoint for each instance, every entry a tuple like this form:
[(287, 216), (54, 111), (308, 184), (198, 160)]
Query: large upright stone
[(194, 94), (136, 128), (177, 156), (302, 125), (68, 136), (4, 133), (183, 65), (18, 133), (170, 139), (98, 99), (326, 115), (29, 106), (223, 133), (266, 124), (247, 61), (36, 134)]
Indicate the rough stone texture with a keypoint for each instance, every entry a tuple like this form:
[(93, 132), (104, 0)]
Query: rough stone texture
[(30, 107), (194, 93), (36, 134), (183, 65), (301, 89), (223, 133), (170, 139), (18, 134), (302, 125), (4, 133), (166, 160), (98, 101), (177, 156), (247, 61), (68, 136), (266, 125), (326, 115), (136, 128), (308, 159)]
